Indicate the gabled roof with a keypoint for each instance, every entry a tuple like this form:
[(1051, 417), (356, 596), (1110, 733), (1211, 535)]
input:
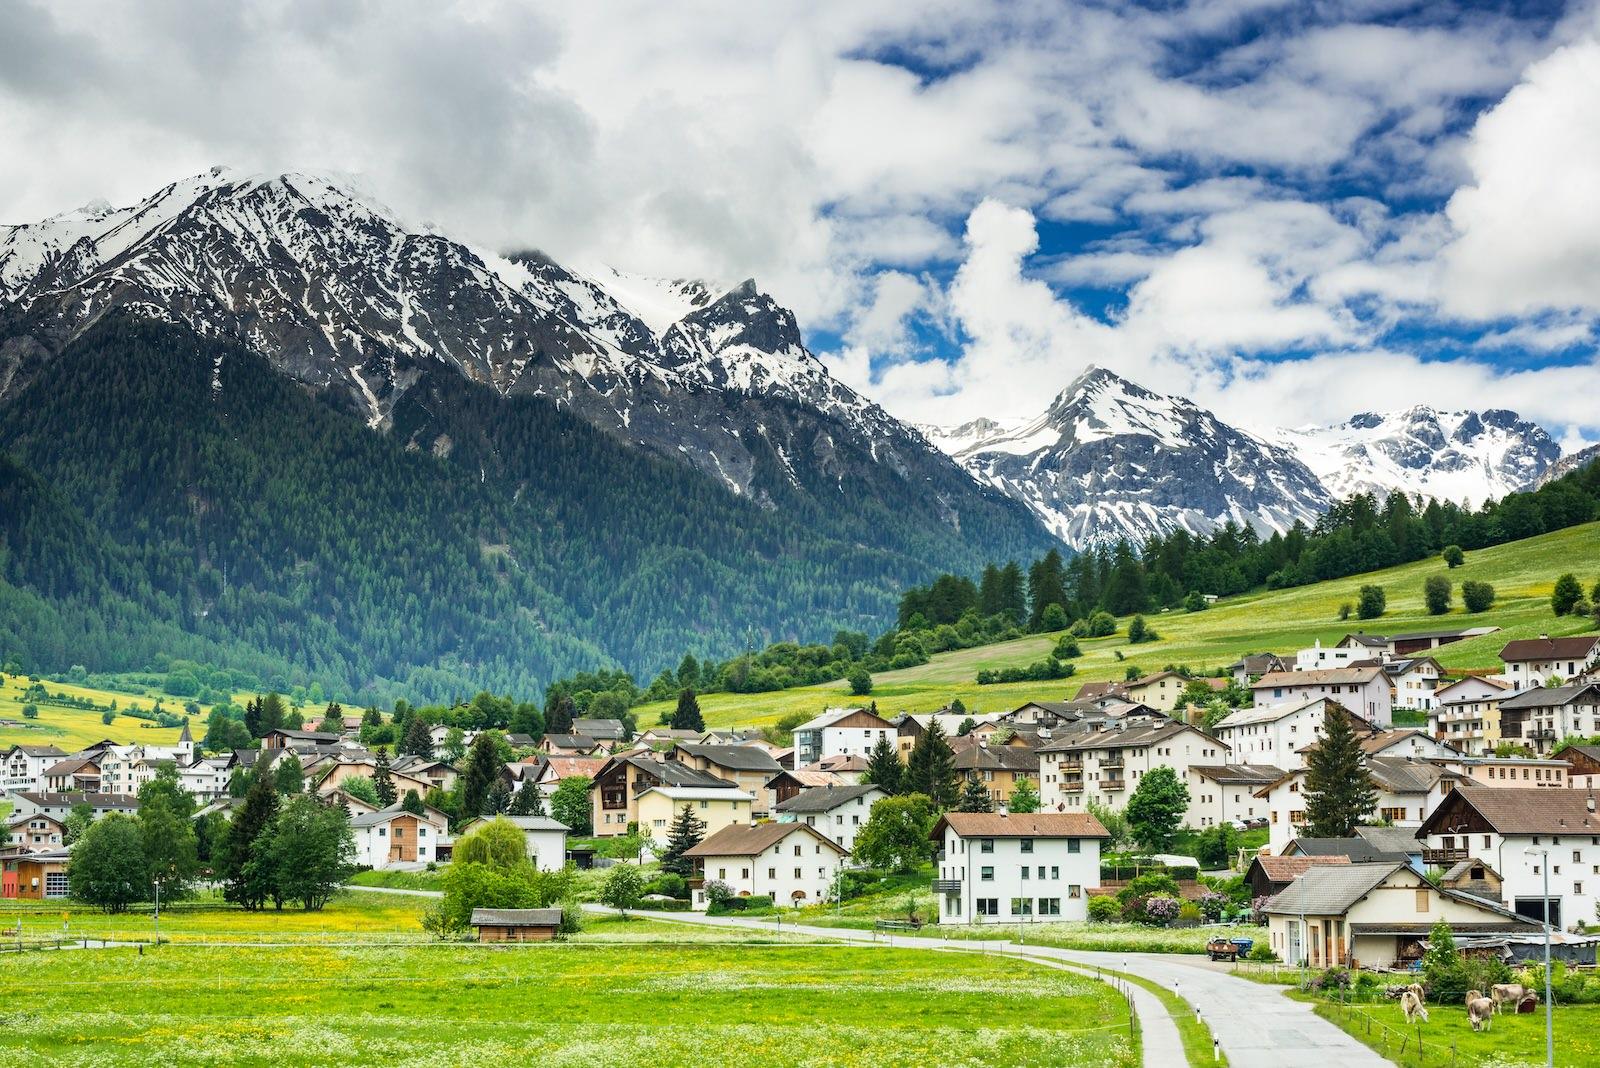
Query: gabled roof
[(566, 767), (569, 741), (37, 751), (305, 736), (515, 918), (839, 762), (607, 729), (1254, 714), (1552, 696), (1138, 734), (1518, 810), (670, 772), (807, 777), (393, 812), (1239, 774), (1330, 889), (699, 793), (1492, 683), (1012, 758), (1523, 650), (44, 798), (825, 798), (1359, 850), (1405, 775), (1394, 840), (733, 757), (1287, 869), (834, 715), (748, 841), (1369, 641), (1020, 825), (70, 765), (1259, 663), (523, 823)]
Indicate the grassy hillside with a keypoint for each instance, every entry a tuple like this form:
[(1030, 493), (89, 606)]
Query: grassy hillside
[(1522, 573), (73, 728)]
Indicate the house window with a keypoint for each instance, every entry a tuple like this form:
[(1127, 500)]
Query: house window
[(1024, 873), (1022, 906), (988, 906), (1422, 901), (722, 873), (1049, 906), (705, 804), (1072, 845), (797, 851), (1074, 891), (1055, 872), (986, 874), (799, 874), (1027, 845), (772, 873), (987, 845)]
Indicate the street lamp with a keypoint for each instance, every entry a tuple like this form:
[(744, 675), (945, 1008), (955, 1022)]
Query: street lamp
[(1549, 1011)]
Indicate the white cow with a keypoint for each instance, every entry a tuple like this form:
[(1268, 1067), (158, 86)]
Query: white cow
[(1411, 1004), (1480, 1010)]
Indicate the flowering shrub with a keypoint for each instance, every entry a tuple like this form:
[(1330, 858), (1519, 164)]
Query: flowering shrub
[(1258, 910), (1212, 905), (1160, 910)]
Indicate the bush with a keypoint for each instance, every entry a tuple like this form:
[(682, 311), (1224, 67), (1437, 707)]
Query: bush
[(1139, 631), (1155, 882), (1212, 905), (670, 884), (1195, 602), (1261, 952), (30, 711), (1189, 912), (1160, 910), (1344, 611), (860, 681), (1079, 628), (1436, 594), (1566, 595), (1066, 648), (1371, 601), (1102, 625), (1477, 596), (1104, 909), (1453, 557), (1054, 617)]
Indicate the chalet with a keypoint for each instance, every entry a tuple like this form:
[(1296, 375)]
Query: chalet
[(787, 784), (1422, 641), (1349, 650), (1413, 681), (998, 767), (546, 838), (621, 780), (283, 738), (1540, 716), (1163, 689), (716, 807), (1091, 690), (394, 836), (840, 732), (1518, 832), (207, 778), (516, 925), (837, 811), (748, 767), (848, 768), (1535, 661), (569, 745), (1103, 766), (28, 802), (994, 867), (1252, 666), (1362, 690), (554, 770), (1466, 713), (1376, 915), (74, 775), (657, 736), (331, 775), (37, 833), (1355, 849), (436, 773), (1268, 874), (1583, 762), (732, 736), (791, 863)]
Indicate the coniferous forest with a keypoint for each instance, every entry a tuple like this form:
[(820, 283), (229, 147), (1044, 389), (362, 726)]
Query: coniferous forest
[(163, 495)]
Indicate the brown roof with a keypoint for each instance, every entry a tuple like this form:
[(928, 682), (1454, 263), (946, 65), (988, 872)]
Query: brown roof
[(749, 841), (1320, 677), (566, 767), (1096, 689), (1287, 869), (1574, 648), (1519, 810), (1021, 825), (807, 777)]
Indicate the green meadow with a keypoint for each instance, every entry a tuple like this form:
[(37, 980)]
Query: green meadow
[(1280, 621)]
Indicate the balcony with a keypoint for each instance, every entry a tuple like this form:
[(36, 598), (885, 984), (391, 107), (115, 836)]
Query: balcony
[(1112, 761), (1071, 764), (1443, 857), (1119, 783), (947, 886)]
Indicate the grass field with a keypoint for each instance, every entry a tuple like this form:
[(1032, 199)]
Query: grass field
[(73, 728), (1522, 573), (554, 1004), (1448, 1038)]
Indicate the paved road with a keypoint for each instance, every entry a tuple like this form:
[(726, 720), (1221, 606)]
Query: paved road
[(1255, 1024), (387, 890)]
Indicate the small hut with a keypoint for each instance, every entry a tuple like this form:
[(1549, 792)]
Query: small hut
[(516, 925)]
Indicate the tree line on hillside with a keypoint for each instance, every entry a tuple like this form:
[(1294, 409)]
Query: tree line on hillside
[(1181, 569)]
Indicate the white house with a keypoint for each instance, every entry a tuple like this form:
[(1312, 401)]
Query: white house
[(1273, 734), (1466, 713), (792, 863), (1414, 681), (1226, 793), (546, 838), (1534, 661), (994, 867), (60, 806), (393, 836), (837, 811), (1408, 789), (23, 766), (207, 778), (1104, 766), (1351, 649), (840, 732), (1519, 832), (1540, 716), (1362, 690)]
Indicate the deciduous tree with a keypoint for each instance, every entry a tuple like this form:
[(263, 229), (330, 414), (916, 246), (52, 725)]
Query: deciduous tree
[(1157, 807), (108, 868)]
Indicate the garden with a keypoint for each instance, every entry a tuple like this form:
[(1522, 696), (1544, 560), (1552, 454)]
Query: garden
[(565, 1003)]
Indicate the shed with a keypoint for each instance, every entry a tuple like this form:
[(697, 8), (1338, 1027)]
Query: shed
[(516, 925)]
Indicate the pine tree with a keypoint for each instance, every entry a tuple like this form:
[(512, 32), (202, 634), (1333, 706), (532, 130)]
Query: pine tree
[(686, 832), (1013, 593), (687, 717), (931, 770), (528, 801), (482, 771), (975, 797), (418, 740), (253, 818), (498, 800), (332, 720), (561, 714), (382, 781), (884, 769), (1046, 586), (1339, 793)]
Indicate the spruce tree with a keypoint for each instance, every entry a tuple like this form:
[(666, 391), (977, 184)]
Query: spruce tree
[(975, 797), (411, 803), (1338, 791), (254, 817), (687, 717), (686, 832), (528, 801), (562, 712), (499, 798), (418, 740), (884, 769), (332, 720), (931, 769), (382, 781), (482, 770), (289, 775)]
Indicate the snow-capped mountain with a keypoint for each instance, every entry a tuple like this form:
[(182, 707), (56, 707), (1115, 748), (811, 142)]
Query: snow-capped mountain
[(338, 292), (1454, 456), (1110, 459)]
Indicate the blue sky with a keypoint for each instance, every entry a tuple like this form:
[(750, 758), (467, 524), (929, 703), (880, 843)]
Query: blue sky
[(1288, 211)]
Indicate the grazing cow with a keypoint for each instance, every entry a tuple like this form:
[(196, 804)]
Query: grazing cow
[(1480, 1010), (1501, 993), (1411, 1004)]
